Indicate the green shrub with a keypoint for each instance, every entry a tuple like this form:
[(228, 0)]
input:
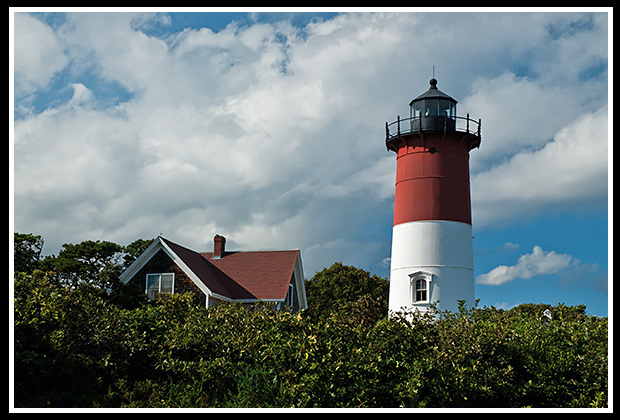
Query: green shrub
[(76, 348)]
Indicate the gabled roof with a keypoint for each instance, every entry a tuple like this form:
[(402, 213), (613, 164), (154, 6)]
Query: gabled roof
[(245, 276)]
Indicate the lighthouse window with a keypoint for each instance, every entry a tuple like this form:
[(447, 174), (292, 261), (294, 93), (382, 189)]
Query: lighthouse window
[(446, 108), (432, 107), (416, 110), (421, 289)]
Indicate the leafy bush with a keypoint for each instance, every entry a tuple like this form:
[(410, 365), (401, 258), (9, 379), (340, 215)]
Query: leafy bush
[(77, 346)]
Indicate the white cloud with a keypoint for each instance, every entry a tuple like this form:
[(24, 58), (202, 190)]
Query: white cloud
[(536, 263), (505, 306), (38, 54), (509, 247), (567, 173), (272, 134), (81, 94), (519, 114)]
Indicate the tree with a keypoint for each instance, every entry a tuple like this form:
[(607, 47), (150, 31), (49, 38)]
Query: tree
[(134, 249), (345, 288), (96, 264), (92, 262), (27, 251)]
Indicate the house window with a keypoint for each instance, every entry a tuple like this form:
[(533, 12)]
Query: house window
[(421, 290), (159, 283), (290, 295)]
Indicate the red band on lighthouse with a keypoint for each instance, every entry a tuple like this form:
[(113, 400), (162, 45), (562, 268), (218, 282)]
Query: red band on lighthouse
[(432, 179)]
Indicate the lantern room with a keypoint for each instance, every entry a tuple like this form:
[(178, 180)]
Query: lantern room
[(433, 110)]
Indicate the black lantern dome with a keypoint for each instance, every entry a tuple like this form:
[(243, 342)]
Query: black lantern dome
[(434, 109)]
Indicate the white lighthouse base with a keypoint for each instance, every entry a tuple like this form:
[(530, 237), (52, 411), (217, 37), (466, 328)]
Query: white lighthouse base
[(437, 252)]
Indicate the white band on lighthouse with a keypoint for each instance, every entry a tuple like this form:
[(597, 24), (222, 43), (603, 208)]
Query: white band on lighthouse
[(437, 251)]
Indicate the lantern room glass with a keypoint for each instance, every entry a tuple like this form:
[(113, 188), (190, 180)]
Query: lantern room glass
[(433, 107)]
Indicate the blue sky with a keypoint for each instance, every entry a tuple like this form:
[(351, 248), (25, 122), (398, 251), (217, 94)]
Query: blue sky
[(268, 128)]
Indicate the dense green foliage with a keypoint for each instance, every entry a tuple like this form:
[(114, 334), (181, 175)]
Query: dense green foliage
[(80, 346), (347, 289)]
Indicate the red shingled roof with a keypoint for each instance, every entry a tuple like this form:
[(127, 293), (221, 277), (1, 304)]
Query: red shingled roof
[(241, 275), (265, 274)]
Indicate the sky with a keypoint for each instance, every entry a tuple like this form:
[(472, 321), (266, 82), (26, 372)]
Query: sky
[(268, 127)]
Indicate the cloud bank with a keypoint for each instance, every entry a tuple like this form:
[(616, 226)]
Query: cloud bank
[(273, 134), (569, 171), (529, 265)]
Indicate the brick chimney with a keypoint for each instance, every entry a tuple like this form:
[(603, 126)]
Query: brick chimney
[(219, 246)]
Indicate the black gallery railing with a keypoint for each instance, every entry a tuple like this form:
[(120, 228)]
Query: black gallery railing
[(431, 123)]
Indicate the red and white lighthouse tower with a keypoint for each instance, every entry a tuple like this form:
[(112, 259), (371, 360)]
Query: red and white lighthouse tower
[(432, 252)]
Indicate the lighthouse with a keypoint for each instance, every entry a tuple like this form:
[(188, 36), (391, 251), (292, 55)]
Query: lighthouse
[(432, 252)]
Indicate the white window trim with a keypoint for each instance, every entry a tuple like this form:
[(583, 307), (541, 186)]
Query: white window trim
[(146, 288), (420, 275)]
